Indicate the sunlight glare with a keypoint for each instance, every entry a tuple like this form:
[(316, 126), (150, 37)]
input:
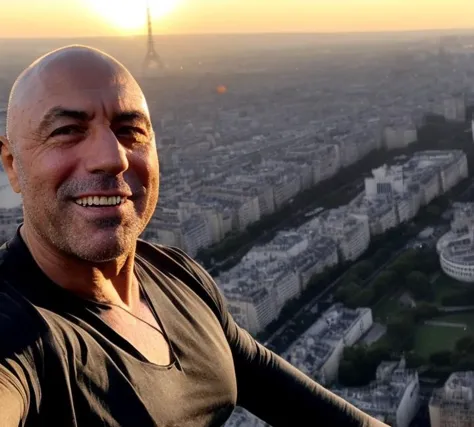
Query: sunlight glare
[(130, 15)]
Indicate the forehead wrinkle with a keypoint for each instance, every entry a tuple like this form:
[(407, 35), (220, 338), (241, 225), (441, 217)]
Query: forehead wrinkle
[(46, 75)]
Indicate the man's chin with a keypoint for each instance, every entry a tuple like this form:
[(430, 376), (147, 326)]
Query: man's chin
[(99, 257), (101, 249)]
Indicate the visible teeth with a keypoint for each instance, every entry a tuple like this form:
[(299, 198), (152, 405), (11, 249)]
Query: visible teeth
[(100, 201)]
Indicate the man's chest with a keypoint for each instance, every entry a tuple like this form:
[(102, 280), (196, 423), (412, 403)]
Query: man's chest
[(142, 330), (197, 395), (112, 381)]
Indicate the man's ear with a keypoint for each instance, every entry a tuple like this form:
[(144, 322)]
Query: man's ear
[(9, 163)]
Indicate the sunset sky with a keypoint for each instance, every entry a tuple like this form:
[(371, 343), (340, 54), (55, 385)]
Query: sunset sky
[(73, 18)]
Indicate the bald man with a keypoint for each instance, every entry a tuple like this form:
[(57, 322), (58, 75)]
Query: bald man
[(99, 328)]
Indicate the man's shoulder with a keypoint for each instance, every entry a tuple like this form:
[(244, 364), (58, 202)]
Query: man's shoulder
[(172, 257), (14, 307), (172, 260), (18, 318), (21, 328), (22, 336), (145, 248)]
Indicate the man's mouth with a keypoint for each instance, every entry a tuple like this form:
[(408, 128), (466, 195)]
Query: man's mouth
[(100, 201)]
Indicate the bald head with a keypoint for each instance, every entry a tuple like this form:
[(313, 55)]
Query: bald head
[(78, 127), (53, 72)]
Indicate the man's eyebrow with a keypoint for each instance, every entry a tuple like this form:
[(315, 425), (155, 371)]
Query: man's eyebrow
[(130, 116), (59, 112)]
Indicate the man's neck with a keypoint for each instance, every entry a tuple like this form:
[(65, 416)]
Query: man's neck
[(111, 282)]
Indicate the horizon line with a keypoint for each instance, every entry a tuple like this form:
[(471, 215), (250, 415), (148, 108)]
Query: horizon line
[(267, 33)]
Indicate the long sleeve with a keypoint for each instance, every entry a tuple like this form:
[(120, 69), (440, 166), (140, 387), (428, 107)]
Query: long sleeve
[(281, 395), (267, 385), (278, 393), (20, 391), (13, 399)]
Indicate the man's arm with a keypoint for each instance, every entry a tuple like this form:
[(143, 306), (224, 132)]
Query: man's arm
[(12, 402), (273, 389), (20, 350), (280, 394), (268, 386)]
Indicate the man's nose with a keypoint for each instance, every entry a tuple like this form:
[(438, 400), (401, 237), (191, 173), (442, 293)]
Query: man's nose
[(105, 153)]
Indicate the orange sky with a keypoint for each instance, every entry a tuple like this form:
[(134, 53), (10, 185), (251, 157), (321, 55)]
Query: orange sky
[(74, 18)]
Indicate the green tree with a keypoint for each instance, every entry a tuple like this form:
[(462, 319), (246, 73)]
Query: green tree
[(364, 298), (405, 264), (465, 363), (349, 375), (465, 345), (359, 364), (355, 353), (377, 354), (414, 360), (345, 292), (381, 256), (383, 282), (425, 311), (419, 285), (427, 261), (400, 331), (441, 358), (363, 269), (350, 277), (459, 299)]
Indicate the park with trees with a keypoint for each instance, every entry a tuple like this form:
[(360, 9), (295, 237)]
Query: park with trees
[(429, 338)]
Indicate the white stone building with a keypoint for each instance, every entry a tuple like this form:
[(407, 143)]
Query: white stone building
[(456, 248), (351, 232), (453, 405), (392, 398), (319, 350)]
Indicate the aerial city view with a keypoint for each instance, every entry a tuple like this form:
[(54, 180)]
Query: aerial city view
[(325, 181)]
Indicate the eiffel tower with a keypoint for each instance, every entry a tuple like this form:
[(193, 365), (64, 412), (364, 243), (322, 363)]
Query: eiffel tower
[(152, 60)]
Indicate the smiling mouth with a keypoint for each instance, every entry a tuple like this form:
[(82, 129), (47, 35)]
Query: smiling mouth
[(100, 201)]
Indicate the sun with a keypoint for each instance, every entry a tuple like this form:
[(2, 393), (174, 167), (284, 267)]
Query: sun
[(130, 15)]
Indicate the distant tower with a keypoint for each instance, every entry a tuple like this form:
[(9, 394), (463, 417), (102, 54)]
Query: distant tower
[(152, 59)]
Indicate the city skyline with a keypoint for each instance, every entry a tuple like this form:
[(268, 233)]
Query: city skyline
[(51, 18)]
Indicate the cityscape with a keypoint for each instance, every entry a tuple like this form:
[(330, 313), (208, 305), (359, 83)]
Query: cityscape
[(327, 188)]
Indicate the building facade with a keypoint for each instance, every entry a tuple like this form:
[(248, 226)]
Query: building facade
[(453, 405)]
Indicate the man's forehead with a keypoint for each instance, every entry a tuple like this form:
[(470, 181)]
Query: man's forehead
[(89, 98), (57, 81), (108, 100), (75, 79)]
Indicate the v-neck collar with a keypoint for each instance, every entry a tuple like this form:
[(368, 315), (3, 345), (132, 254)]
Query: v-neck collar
[(46, 294)]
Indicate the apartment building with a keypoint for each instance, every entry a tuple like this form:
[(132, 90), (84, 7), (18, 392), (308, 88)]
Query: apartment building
[(453, 404), (392, 398), (319, 350)]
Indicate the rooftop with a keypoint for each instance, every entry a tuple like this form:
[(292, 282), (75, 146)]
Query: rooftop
[(457, 392), (383, 396), (312, 349)]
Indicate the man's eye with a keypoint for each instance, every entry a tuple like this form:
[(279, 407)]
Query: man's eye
[(131, 132), (67, 130)]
